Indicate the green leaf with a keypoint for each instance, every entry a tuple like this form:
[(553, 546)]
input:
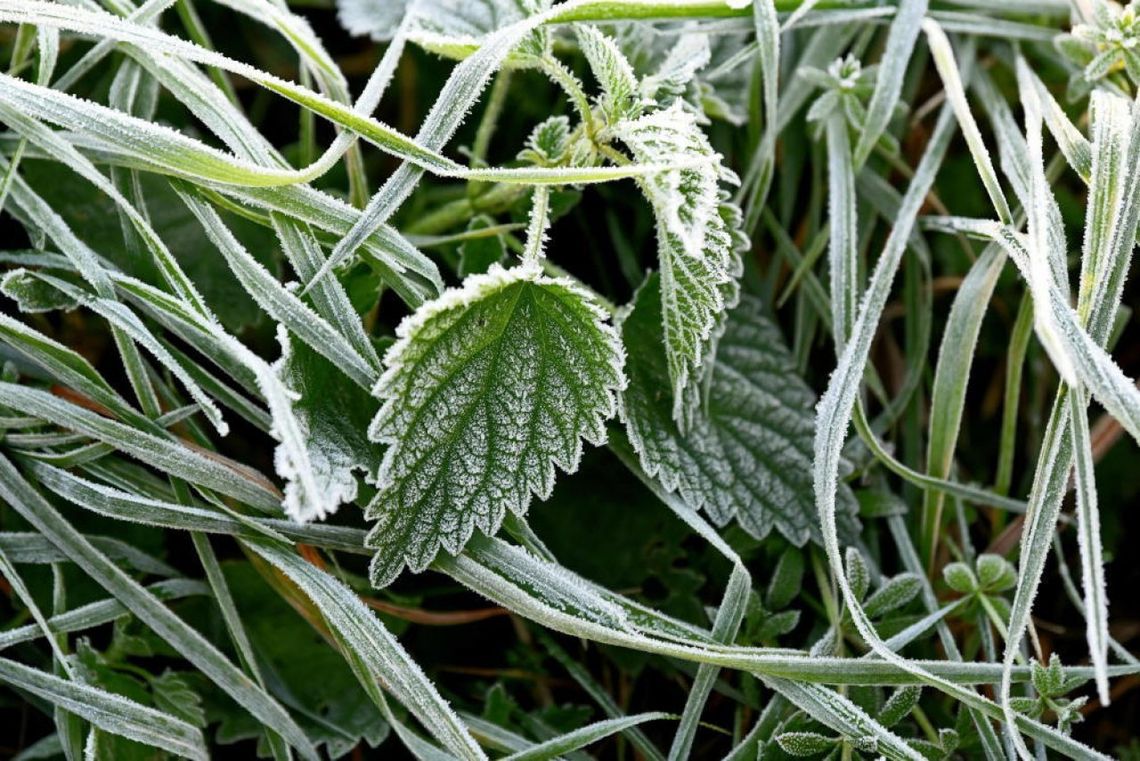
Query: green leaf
[(487, 389), (697, 238), (899, 704), (612, 71), (786, 581), (747, 455), (995, 573), (32, 295), (894, 594), (332, 414), (857, 573), (173, 694), (960, 578), (802, 744)]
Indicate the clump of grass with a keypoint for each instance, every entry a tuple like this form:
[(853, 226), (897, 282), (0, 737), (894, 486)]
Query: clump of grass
[(262, 381)]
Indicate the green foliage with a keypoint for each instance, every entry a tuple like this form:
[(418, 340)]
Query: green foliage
[(284, 365)]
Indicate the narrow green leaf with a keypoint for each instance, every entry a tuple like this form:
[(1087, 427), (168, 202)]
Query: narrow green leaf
[(111, 713)]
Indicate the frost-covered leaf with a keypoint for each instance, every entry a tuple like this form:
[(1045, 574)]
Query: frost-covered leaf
[(444, 26), (378, 19), (612, 71), (32, 295), (686, 55), (547, 142), (487, 389), (697, 239), (333, 414), (174, 695), (801, 744), (747, 455)]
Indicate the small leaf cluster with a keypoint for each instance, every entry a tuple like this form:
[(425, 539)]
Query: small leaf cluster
[(1052, 687)]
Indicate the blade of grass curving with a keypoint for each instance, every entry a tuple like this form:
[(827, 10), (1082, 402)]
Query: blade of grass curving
[(892, 69), (840, 714), (278, 302), (110, 712), (843, 241), (372, 651), (948, 69), (951, 377), (172, 152), (582, 737), (195, 466), (18, 493), (22, 547), (98, 613)]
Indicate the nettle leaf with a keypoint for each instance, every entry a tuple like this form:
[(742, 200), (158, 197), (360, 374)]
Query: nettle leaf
[(698, 238), (448, 27), (487, 389), (613, 72), (747, 455), (686, 55), (547, 142), (333, 414)]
